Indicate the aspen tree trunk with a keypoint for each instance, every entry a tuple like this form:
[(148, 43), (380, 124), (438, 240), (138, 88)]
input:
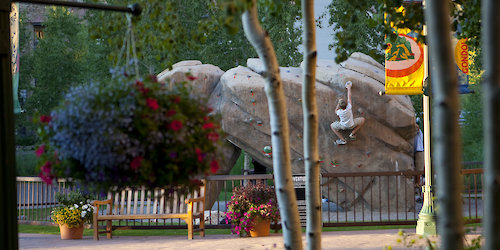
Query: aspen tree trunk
[(285, 193), (310, 110), (8, 225), (491, 87), (447, 144)]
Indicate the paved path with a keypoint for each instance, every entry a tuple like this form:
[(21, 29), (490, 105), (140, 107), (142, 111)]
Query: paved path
[(368, 239)]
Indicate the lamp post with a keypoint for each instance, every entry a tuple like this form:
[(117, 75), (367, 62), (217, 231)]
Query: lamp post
[(426, 223)]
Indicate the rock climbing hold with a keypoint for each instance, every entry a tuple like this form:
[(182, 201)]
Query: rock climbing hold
[(268, 149), (259, 123)]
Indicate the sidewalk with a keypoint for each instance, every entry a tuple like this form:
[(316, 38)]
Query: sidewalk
[(368, 239)]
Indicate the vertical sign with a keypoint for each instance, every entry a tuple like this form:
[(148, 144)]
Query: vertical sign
[(404, 63), (14, 41), (462, 61)]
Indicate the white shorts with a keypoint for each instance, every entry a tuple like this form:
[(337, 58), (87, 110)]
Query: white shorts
[(338, 126)]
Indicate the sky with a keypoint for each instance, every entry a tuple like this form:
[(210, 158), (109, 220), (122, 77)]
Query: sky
[(323, 35)]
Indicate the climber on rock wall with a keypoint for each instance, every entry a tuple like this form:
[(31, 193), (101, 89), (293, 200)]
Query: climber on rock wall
[(347, 121)]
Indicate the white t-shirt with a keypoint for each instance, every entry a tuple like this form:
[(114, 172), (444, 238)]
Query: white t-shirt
[(419, 141), (346, 117)]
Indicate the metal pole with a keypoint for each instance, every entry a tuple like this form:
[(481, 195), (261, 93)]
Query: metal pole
[(134, 9), (8, 227), (426, 223)]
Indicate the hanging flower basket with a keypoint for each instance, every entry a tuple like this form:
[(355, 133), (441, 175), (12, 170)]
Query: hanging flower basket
[(129, 132)]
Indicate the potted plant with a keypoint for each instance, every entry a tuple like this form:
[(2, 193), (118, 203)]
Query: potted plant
[(252, 208), (73, 212), (129, 132)]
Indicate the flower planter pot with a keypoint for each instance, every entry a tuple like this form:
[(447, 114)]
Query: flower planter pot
[(261, 228), (71, 233)]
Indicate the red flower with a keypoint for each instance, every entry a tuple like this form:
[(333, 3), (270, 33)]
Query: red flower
[(143, 90), (40, 150), (152, 103), (136, 162), (153, 78), (214, 166), (195, 182), (139, 83), (45, 118), (45, 173), (175, 125), (199, 154), (171, 112), (208, 125), (192, 78), (205, 118), (213, 136), (176, 99)]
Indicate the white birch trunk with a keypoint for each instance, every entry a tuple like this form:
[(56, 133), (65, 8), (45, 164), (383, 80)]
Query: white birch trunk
[(491, 114), (310, 110), (447, 144), (287, 200)]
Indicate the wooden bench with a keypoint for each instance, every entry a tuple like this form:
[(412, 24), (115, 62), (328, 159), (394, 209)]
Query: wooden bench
[(144, 204)]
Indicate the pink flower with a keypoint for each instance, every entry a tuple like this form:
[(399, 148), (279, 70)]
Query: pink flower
[(45, 173), (40, 150), (214, 166), (152, 103), (207, 125), (175, 125), (136, 162), (199, 154), (45, 118), (213, 136), (153, 78), (143, 90), (176, 99), (171, 112)]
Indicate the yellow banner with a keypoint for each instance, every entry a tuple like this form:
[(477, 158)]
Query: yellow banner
[(404, 64)]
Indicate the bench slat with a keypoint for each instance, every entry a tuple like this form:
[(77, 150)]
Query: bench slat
[(143, 193), (122, 202), (129, 201), (136, 200), (148, 202)]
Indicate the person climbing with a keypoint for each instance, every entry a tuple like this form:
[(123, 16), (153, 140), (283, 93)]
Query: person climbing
[(347, 121)]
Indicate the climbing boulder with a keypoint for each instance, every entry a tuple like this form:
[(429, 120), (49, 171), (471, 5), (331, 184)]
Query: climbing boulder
[(384, 143)]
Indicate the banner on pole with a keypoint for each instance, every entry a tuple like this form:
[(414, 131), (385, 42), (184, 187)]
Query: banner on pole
[(404, 63), (14, 41), (404, 66), (462, 62)]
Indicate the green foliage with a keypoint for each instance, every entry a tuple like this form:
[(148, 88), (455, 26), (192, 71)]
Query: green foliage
[(75, 209), (472, 126), (175, 30), (358, 27), (26, 163), (362, 25), (64, 57)]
